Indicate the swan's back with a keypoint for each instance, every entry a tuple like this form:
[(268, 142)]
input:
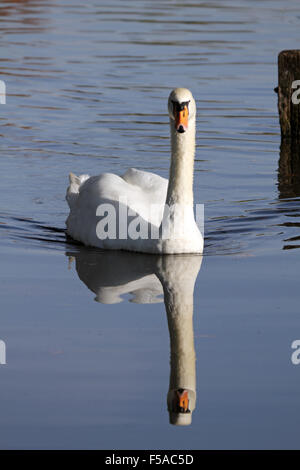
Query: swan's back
[(137, 190)]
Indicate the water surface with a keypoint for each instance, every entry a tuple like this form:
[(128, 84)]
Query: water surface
[(87, 86)]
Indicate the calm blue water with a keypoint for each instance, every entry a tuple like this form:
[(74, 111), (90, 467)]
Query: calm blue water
[(87, 86)]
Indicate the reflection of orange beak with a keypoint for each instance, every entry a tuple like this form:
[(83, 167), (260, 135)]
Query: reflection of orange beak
[(181, 120), (183, 400)]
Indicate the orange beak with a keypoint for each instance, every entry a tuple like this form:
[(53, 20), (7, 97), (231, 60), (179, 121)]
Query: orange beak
[(183, 400), (181, 120)]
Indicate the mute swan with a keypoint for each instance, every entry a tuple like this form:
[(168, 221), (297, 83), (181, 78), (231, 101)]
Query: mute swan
[(112, 274), (164, 207)]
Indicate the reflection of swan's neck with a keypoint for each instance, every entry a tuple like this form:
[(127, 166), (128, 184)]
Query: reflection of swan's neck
[(178, 279), (180, 321), (180, 189)]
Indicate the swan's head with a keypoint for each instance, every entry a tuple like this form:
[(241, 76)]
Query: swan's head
[(182, 108)]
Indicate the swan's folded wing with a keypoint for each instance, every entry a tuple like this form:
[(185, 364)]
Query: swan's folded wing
[(149, 182), (140, 192)]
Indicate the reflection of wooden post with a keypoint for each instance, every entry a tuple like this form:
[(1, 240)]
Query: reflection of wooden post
[(289, 92), (289, 168)]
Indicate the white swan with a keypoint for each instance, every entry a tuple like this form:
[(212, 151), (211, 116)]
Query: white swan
[(163, 209)]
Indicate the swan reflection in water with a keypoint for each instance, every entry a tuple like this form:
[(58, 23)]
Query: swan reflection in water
[(152, 279)]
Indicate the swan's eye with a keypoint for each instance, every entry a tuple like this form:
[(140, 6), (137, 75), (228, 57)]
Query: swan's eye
[(177, 107)]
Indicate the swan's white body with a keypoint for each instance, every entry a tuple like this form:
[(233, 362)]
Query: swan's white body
[(144, 194)]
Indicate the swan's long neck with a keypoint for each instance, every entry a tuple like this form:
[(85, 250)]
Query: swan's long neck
[(180, 189)]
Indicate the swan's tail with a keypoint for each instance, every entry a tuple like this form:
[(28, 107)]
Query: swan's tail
[(73, 189)]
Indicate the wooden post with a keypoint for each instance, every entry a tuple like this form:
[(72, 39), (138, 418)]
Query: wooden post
[(289, 93), (289, 168)]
